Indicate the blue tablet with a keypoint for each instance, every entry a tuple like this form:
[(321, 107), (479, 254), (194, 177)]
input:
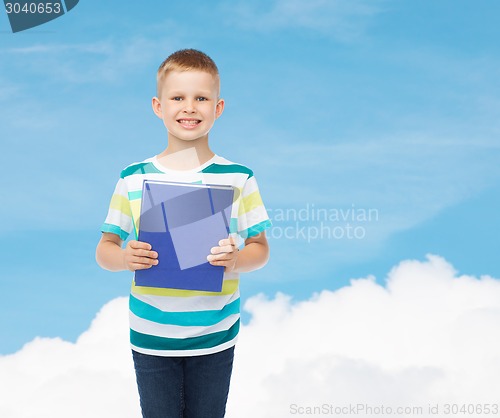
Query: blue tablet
[(182, 222)]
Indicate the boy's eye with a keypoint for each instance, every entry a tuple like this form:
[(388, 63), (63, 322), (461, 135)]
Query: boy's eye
[(199, 99)]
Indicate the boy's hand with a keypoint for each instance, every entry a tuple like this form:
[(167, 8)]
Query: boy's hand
[(137, 255), (225, 254)]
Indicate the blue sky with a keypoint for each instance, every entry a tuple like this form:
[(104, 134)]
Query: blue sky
[(343, 105)]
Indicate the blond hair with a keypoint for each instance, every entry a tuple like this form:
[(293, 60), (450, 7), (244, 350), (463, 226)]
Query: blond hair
[(185, 60)]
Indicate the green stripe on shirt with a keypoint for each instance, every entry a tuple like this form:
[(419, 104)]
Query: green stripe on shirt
[(256, 229), (141, 168), (153, 342), (135, 195), (199, 318), (113, 229), (227, 168)]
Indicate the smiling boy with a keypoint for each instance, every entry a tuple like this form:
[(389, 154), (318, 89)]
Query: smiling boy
[(183, 341)]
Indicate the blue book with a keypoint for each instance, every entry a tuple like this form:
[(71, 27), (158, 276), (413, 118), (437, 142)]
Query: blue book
[(182, 222)]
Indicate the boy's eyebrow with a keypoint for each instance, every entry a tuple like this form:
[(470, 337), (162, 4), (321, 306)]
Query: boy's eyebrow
[(181, 93)]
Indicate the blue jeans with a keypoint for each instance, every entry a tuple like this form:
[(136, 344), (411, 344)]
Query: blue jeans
[(184, 387)]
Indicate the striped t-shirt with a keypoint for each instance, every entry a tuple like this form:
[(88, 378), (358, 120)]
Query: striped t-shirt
[(173, 322)]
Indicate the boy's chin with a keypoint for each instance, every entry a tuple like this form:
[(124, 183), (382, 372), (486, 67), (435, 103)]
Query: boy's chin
[(187, 138)]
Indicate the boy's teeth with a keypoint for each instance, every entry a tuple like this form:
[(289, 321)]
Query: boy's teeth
[(189, 122)]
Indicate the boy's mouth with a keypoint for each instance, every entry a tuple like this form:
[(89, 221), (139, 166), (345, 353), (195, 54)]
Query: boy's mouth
[(189, 123)]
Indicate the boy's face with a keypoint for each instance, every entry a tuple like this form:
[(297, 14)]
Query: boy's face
[(189, 104)]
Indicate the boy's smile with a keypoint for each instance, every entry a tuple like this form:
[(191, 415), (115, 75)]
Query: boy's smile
[(189, 104), (189, 123)]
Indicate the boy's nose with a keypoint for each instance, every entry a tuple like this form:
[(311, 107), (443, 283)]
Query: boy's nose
[(189, 107)]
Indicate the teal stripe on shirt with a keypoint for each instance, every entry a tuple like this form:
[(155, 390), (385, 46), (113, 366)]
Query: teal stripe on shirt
[(199, 318), (233, 225), (135, 195), (227, 168), (113, 229), (153, 342), (256, 229), (140, 168)]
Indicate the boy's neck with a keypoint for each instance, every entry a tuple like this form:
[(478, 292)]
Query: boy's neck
[(185, 155)]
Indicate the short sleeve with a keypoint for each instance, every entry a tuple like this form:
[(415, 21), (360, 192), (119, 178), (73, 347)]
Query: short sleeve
[(119, 218), (252, 214)]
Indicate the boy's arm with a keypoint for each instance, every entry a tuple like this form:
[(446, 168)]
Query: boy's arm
[(253, 256), (136, 255)]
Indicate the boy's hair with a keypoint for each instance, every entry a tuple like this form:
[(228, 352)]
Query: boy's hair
[(185, 60)]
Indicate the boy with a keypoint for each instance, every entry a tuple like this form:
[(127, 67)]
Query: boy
[(183, 341)]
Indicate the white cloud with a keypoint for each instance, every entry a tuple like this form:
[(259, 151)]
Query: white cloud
[(100, 47), (52, 378), (8, 90), (344, 19), (408, 178), (104, 61), (427, 336)]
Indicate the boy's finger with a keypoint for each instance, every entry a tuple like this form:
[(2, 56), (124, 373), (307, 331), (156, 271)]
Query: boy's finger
[(140, 245), (146, 253), (144, 260), (224, 263), (226, 241), (224, 249), (228, 248), (139, 266), (219, 257), (212, 259)]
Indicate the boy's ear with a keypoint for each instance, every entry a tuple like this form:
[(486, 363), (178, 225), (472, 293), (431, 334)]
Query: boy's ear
[(155, 103), (219, 108)]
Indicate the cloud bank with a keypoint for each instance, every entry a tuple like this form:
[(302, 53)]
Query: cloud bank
[(427, 337)]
